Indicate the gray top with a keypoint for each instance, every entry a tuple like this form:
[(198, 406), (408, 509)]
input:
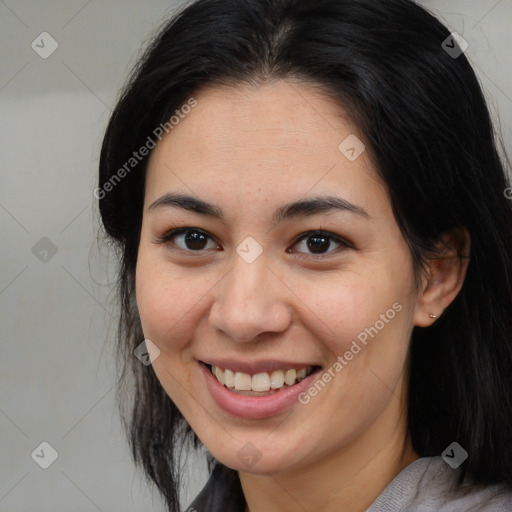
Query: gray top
[(426, 485)]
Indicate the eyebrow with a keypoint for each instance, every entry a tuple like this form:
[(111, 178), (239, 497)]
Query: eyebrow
[(301, 208)]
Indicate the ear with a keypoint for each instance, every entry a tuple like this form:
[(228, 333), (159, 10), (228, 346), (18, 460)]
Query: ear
[(444, 277)]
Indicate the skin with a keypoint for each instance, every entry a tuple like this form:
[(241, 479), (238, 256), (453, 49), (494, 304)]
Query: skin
[(250, 150)]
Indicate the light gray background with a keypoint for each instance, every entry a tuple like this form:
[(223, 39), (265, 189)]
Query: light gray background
[(56, 365)]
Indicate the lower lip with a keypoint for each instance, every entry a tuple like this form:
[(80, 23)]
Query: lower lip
[(254, 407)]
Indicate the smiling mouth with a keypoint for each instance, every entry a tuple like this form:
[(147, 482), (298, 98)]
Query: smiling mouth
[(260, 384)]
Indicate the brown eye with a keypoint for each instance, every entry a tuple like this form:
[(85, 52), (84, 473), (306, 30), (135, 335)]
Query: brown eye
[(319, 243), (189, 239), (195, 241)]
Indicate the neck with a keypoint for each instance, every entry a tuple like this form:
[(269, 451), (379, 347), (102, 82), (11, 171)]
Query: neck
[(349, 479)]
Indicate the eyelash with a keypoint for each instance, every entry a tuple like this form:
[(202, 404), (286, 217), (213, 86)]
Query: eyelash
[(169, 235)]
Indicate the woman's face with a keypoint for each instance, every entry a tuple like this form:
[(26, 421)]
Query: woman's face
[(250, 284)]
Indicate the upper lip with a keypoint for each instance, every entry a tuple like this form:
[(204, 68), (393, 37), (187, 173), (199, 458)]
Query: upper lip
[(253, 367)]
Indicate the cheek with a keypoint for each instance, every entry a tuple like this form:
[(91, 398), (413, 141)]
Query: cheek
[(169, 303), (354, 306), (374, 343)]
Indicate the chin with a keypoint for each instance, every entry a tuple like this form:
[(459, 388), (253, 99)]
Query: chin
[(248, 458)]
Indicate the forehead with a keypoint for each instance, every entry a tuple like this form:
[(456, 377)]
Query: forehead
[(263, 141)]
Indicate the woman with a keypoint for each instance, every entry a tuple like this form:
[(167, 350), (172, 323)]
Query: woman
[(315, 244)]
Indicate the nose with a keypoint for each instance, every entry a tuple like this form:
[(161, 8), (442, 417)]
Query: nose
[(250, 300)]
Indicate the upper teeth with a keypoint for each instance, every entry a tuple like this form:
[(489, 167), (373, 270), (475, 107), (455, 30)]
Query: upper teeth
[(259, 381)]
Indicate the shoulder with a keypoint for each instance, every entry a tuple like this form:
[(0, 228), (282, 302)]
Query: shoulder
[(426, 485), (430, 485)]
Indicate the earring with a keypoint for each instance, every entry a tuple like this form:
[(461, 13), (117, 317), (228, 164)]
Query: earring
[(432, 315)]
